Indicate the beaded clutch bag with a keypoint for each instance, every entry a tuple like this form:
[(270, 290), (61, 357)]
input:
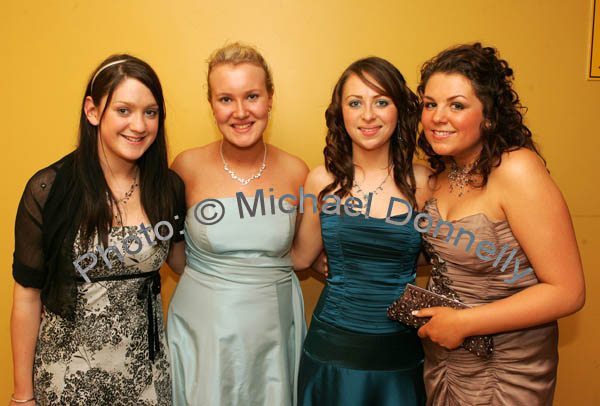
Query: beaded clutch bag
[(416, 298)]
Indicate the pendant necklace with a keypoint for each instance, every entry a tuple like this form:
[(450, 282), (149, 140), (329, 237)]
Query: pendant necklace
[(124, 199), (460, 177), (376, 191), (242, 180)]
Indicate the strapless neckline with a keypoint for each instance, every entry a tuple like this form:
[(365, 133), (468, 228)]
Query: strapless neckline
[(237, 303), (361, 215), (288, 205), (433, 203)]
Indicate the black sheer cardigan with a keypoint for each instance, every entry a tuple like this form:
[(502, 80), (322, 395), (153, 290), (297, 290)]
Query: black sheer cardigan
[(45, 230)]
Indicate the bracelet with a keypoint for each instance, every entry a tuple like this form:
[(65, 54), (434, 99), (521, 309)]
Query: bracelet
[(20, 400)]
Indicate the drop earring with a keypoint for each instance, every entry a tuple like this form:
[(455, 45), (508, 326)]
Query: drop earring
[(269, 115)]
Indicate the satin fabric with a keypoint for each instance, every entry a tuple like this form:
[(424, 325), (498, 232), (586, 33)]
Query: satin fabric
[(522, 369), (370, 262), (353, 354), (236, 320), (339, 367)]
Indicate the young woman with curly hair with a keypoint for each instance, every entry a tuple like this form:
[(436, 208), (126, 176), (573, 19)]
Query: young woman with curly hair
[(492, 182), (353, 354)]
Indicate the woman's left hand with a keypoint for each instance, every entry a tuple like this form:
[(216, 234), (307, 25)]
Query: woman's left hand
[(320, 264), (445, 327)]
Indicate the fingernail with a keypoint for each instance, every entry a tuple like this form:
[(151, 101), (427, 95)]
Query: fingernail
[(414, 312)]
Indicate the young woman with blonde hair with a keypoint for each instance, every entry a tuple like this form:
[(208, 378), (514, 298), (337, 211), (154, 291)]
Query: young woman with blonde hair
[(236, 319)]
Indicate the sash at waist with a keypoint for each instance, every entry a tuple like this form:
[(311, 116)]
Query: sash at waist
[(232, 277), (353, 350), (251, 270), (147, 293)]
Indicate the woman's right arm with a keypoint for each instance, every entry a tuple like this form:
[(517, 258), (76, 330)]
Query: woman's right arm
[(307, 242), (24, 326), (29, 272)]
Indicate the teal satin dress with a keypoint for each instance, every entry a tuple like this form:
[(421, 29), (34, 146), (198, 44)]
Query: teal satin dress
[(236, 319), (353, 354)]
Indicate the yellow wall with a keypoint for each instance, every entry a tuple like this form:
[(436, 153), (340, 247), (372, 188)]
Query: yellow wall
[(50, 47)]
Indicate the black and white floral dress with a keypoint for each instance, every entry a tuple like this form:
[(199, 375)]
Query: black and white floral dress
[(103, 357)]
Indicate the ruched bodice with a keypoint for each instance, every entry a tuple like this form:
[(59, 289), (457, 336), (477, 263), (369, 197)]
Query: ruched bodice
[(353, 354), (370, 263), (522, 368), (236, 320), (493, 274)]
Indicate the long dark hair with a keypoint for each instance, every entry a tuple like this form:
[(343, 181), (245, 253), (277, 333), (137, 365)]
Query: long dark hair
[(338, 149), (502, 128), (156, 184)]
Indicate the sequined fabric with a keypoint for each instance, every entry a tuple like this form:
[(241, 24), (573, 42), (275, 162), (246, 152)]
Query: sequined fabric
[(416, 298)]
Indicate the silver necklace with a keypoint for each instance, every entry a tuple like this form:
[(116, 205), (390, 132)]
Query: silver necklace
[(376, 191), (124, 199), (242, 180), (460, 177)]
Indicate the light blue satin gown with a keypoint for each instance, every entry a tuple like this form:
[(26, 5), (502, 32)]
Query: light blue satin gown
[(236, 321)]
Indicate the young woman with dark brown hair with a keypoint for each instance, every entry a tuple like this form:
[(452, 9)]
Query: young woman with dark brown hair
[(101, 339), (492, 182), (353, 354)]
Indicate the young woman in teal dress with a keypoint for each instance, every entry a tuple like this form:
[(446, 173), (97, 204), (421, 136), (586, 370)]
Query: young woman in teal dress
[(353, 354), (236, 320)]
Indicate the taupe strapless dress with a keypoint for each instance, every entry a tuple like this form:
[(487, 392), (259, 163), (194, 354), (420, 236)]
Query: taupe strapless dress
[(522, 368)]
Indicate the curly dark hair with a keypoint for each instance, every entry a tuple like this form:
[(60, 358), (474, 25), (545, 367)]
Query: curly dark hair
[(502, 129), (388, 81)]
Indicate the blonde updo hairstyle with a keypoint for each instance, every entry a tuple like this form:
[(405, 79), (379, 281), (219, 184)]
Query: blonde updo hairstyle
[(235, 54)]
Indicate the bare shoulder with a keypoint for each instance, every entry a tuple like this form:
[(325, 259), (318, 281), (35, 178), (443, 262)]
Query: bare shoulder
[(423, 177), (293, 166), (522, 180), (188, 161), (425, 184), (318, 178), (521, 166)]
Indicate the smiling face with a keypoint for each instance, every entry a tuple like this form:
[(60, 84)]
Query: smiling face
[(129, 124), (452, 116), (240, 102), (370, 118)]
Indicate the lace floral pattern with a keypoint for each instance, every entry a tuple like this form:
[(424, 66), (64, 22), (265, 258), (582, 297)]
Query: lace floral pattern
[(102, 357)]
